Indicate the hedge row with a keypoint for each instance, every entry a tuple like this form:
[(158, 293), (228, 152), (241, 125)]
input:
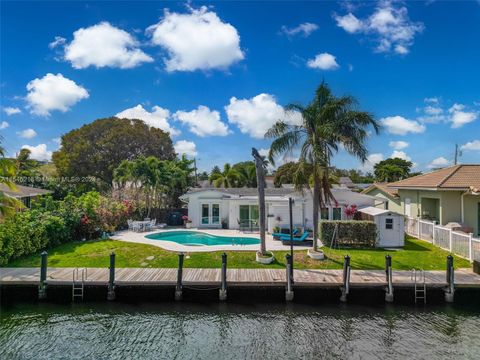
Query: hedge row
[(349, 233), (52, 222)]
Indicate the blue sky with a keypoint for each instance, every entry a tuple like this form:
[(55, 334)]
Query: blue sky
[(216, 74)]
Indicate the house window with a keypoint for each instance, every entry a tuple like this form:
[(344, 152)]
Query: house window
[(389, 223), (337, 213), (210, 214), (324, 213)]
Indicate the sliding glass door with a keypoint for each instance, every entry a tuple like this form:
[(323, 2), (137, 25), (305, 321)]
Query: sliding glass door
[(248, 217), (210, 214)]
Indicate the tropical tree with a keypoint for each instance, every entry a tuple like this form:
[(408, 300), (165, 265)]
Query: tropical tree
[(227, 178), (7, 172), (247, 174), (392, 169), (98, 148), (160, 181), (26, 167), (327, 122)]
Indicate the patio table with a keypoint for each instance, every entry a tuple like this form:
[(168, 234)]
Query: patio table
[(142, 224)]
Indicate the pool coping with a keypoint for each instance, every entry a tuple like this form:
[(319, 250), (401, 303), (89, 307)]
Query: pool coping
[(140, 238)]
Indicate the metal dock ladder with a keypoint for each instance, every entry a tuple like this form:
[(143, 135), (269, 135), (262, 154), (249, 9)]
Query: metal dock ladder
[(420, 287), (78, 283)]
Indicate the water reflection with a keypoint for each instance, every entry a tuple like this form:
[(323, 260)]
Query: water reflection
[(233, 331)]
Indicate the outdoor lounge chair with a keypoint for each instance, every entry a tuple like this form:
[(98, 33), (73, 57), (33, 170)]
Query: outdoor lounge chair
[(301, 238), (280, 234)]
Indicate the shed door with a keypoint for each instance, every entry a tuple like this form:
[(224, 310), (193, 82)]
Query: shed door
[(389, 231)]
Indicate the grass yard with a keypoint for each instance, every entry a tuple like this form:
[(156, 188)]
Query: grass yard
[(416, 254)]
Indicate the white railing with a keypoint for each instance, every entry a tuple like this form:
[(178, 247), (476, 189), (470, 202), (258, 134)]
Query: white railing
[(459, 243)]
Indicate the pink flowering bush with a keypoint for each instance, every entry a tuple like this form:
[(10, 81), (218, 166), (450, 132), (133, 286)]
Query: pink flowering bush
[(350, 211)]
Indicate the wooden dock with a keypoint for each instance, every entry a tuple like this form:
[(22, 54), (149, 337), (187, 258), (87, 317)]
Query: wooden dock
[(464, 278)]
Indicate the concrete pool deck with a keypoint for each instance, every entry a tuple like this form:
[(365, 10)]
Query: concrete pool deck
[(140, 238)]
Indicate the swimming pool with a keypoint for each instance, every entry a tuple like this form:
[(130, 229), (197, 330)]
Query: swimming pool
[(196, 238)]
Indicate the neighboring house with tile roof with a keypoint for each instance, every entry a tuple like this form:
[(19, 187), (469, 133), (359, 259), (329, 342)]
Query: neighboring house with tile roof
[(238, 207), (23, 193), (447, 195), (381, 190)]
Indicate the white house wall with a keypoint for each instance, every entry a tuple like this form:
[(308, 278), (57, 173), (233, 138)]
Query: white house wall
[(302, 212)]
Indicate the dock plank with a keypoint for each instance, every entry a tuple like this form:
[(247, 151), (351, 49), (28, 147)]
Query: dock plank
[(240, 277)]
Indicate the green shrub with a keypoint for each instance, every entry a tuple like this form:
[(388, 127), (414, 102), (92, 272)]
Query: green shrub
[(51, 223), (349, 233)]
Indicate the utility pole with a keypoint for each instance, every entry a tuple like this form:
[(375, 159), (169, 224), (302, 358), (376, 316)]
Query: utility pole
[(458, 153)]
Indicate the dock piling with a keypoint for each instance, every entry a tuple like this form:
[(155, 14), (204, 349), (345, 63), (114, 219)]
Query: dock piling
[(346, 279), (178, 287), (450, 289), (111, 279), (289, 269), (389, 275), (42, 287), (223, 285)]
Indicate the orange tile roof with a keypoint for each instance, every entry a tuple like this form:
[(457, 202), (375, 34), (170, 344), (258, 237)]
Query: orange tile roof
[(383, 187), (453, 177)]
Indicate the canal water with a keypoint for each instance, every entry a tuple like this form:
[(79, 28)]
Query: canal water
[(237, 331)]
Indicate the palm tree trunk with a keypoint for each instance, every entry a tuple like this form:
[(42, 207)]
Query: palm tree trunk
[(316, 206), (261, 198)]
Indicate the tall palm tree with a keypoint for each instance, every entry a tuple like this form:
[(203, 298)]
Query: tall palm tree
[(229, 177), (327, 123), (7, 171), (248, 175)]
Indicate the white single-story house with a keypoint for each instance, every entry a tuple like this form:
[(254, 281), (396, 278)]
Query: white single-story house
[(237, 208)]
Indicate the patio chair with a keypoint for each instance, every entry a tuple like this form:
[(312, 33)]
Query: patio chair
[(152, 224), (130, 224), (136, 226)]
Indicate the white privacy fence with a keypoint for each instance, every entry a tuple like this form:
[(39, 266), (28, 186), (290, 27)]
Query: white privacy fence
[(456, 242)]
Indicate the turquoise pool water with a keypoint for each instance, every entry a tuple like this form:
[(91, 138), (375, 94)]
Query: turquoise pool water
[(196, 238)]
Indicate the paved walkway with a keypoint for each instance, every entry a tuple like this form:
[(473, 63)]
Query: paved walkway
[(140, 238)]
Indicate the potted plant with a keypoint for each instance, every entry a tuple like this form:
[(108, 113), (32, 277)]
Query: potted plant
[(276, 229), (224, 223), (187, 221)]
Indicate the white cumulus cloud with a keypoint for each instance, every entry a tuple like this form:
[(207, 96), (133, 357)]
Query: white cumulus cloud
[(401, 155), (39, 152), (157, 118), (103, 45), (256, 115), (58, 41), (323, 61), (389, 25), (53, 92), (4, 125), (471, 145), (350, 23), (372, 159), (11, 110), (439, 163), (27, 133), (203, 121), (304, 29), (398, 125), (198, 40), (459, 117), (185, 147), (398, 145)]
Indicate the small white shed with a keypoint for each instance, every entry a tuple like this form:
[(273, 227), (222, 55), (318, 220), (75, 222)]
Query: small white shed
[(390, 226)]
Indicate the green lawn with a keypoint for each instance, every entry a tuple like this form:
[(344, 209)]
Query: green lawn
[(417, 253)]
